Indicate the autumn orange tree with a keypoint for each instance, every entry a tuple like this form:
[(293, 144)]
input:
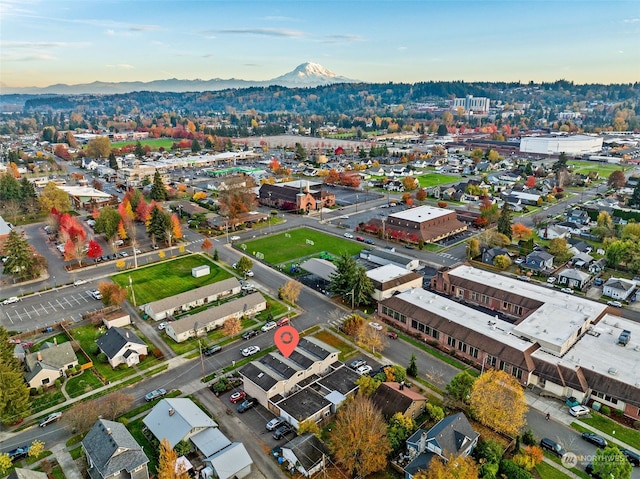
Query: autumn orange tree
[(520, 231), (231, 327), (206, 245), (359, 437), (460, 467), (112, 294), (497, 401)]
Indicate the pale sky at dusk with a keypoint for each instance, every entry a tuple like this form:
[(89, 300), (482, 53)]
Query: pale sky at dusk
[(81, 41)]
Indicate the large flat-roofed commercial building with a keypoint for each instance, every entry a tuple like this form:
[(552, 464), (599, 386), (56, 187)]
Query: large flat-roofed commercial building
[(424, 223), (563, 344), (554, 145), (472, 104)]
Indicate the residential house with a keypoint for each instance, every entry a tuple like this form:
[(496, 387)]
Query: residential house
[(553, 232), (489, 254), (198, 324), (122, 346), (618, 288), (113, 453), (49, 363), (5, 229), (598, 266), (574, 228), (393, 397), (177, 419), (573, 278), (306, 453), (163, 308), (582, 260), (452, 436), (526, 198), (578, 216), (577, 245), (539, 261)]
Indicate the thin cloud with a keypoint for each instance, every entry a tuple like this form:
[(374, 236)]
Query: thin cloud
[(343, 38), (631, 20), (39, 57), (403, 49), (31, 45), (266, 32)]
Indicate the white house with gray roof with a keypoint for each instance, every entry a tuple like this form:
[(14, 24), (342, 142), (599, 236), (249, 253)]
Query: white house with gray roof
[(618, 288), (161, 309), (177, 419), (113, 453), (198, 324), (49, 363), (231, 462), (122, 346)]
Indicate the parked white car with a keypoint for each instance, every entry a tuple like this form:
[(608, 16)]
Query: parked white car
[(11, 300), (348, 235)]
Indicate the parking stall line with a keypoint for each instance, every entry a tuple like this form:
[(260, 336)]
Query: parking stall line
[(35, 311), (60, 304), (75, 299), (67, 300), (52, 306)]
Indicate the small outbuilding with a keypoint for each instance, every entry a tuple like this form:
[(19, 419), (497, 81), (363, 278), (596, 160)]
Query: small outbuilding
[(200, 271)]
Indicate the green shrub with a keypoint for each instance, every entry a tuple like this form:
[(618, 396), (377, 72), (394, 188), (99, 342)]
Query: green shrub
[(103, 358), (489, 451), (94, 349), (512, 471), (636, 424), (528, 438), (606, 410)]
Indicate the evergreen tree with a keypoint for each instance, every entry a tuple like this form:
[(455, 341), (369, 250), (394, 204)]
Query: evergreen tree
[(21, 260), (159, 224), (442, 130), (528, 170), (27, 190), (158, 190), (504, 221), (301, 153), (14, 392), (195, 146), (343, 279), (9, 187), (634, 201), (112, 161), (412, 369), (362, 287), (139, 150)]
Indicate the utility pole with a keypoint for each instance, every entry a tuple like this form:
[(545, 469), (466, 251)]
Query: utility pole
[(133, 294)]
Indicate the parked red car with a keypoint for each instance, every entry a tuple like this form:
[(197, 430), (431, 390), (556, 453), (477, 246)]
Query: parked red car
[(237, 396)]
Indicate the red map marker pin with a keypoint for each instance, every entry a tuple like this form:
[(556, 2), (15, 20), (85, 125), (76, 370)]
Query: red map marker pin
[(286, 338)]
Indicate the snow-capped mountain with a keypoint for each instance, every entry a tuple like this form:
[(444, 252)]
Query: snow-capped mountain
[(309, 74), (305, 75)]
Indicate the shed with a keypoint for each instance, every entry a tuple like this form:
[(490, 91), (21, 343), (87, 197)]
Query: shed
[(200, 271)]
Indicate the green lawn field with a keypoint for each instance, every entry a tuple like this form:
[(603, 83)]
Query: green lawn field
[(433, 179), (603, 169), (154, 143), (169, 278), (280, 248)]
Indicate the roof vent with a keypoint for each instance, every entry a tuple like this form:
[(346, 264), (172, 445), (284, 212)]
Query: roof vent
[(171, 411), (260, 375), (613, 371), (109, 431)]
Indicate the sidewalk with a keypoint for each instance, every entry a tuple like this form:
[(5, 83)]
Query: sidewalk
[(559, 413)]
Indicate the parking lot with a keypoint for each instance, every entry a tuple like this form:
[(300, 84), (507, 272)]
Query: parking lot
[(45, 309)]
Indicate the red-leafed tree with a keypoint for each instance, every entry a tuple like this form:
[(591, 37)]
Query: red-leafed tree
[(95, 250), (274, 165), (143, 211), (421, 194), (531, 182)]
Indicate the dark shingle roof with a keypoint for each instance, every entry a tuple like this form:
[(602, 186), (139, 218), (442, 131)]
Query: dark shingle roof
[(115, 339), (308, 449), (112, 449)]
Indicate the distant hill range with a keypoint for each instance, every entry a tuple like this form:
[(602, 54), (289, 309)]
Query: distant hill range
[(305, 75)]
